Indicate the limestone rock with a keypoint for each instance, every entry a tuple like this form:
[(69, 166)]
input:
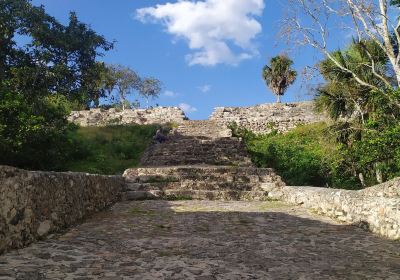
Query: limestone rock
[(44, 228), (267, 117)]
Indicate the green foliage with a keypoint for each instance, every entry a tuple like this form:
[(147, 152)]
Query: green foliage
[(303, 156), (126, 81), (41, 81), (377, 151), (58, 59), (279, 75), (395, 3), (150, 88), (33, 133), (342, 96), (365, 118), (108, 150)]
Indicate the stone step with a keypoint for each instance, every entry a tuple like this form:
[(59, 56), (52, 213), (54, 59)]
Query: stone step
[(226, 195), (206, 128), (155, 182), (195, 185), (194, 160), (189, 151), (200, 173)]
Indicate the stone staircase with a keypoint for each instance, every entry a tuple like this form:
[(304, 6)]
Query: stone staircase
[(199, 160), (201, 182), (198, 142)]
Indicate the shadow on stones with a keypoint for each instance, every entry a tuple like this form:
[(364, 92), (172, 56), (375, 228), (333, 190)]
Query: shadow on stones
[(190, 150), (207, 240)]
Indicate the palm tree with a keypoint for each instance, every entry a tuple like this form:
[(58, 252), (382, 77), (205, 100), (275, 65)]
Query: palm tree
[(279, 75)]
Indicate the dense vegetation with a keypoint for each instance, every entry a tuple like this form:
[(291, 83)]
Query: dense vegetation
[(108, 150), (365, 116), (305, 156), (361, 146), (54, 70)]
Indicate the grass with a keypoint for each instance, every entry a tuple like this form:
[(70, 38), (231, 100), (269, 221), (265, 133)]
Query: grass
[(141, 211), (307, 155), (109, 150)]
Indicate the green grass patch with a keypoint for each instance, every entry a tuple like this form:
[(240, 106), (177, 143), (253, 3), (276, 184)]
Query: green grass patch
[(173, 197), (109, 150), (305, 156), (141, 211)]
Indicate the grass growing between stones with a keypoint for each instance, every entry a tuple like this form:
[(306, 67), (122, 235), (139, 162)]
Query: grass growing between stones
[(141, 211), (109, 150)]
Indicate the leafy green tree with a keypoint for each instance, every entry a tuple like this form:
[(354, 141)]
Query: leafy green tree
[(150, 88), (58, 59), (40, 80), (279, 75), (124, 80), (34, 132)]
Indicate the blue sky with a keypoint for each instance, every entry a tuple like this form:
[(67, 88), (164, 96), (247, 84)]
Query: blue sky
[(147, 46)]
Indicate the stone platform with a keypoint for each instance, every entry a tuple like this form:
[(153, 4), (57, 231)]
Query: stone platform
[(201, 240)]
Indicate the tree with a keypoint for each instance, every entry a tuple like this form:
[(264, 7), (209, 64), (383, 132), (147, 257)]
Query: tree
[(150, 88), (124, 80), (40, 80), (365, 121), (342, 96), (310, 22), (58, 59), (279, 75)]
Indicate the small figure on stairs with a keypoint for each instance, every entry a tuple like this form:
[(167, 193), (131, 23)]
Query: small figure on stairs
[(159, 137)]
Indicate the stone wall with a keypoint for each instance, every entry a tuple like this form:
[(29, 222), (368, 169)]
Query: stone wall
[(102, 117), (376, 209), (34, 204), (265, 117)]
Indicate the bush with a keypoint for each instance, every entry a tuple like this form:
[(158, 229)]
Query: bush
[(34, 133), (303, 156)]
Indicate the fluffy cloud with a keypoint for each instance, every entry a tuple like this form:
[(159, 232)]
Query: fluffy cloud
[(187, 108), (211, 27), (205, 88)]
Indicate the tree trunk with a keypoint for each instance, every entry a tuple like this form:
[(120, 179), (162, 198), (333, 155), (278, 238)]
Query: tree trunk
[(278, 98), (362, 180), (379, 175)]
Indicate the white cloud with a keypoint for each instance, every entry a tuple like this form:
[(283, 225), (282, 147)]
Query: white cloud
[(170, 93), (205, 88), (211, 27), (187, 108)]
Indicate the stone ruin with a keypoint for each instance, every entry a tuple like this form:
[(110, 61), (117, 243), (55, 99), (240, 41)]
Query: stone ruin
[(103, 117), (267, 117), (199, 160), (259, 119)]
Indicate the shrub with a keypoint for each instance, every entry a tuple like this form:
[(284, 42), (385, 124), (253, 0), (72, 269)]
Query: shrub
[(306, 155), (34, 133)]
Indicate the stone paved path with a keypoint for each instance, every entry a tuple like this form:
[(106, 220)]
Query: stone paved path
[(206, 240)]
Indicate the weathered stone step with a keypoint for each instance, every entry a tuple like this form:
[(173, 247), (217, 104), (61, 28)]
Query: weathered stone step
[(228, 195), (206, 128), (194, 185), (188, 150), (225, 174), (201, 181)]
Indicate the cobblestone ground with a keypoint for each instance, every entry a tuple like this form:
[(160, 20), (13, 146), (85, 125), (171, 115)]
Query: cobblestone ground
[(206, 240)]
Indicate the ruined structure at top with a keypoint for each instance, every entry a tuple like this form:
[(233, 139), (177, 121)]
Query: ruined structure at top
[(265, 117), (259, 119), (103, 117)]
